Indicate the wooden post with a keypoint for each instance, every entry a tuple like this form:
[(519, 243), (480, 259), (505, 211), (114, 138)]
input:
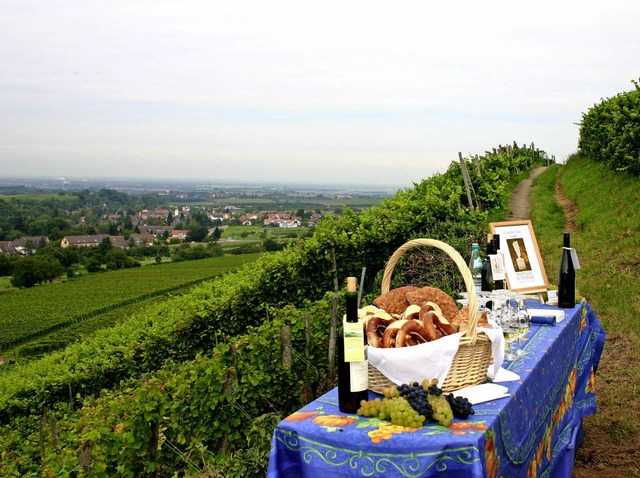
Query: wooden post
[(334, 321), (286, 347), (467, 181), (476, 161), (41, 436), (230, 388), (153, 445), (308, 386), (230, 385), (85, 457), (54, 430), (532, 154)]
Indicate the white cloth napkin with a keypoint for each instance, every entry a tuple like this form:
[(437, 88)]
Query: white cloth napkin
[(414, 364), (558, 314), (504, 375), (484, 392), (497, 350), (429, 360)]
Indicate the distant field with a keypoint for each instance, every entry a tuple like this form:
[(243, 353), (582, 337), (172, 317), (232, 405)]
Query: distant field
[(294, 203), (256, 232), (38, 197), (30, 313)]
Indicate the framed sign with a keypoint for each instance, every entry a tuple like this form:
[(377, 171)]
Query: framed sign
[(522, 262)]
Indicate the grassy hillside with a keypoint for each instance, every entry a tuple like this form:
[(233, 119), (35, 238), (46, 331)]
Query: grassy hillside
[(606, 237)]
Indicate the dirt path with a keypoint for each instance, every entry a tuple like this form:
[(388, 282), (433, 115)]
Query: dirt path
[(570, 208), (520, 202)]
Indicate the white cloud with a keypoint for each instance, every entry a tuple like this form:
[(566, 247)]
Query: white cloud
[(395, 90)]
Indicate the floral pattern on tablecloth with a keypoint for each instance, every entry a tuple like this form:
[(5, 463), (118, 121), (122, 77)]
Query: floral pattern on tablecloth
[(557, 389)]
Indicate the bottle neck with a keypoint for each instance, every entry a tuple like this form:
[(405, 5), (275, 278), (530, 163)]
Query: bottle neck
[(352, 306), (567, 239)]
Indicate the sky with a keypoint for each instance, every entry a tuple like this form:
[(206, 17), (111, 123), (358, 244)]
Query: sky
[(350, 91)]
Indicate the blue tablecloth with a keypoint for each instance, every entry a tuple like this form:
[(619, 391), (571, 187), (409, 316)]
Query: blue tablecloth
[(525, 434)]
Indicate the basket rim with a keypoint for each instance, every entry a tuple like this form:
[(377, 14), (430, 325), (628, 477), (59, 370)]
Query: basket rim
[(468, 336)]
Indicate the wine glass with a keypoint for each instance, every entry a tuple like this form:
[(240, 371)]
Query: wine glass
[(510, 333), (509, 330), (522, 323), (498, 300)]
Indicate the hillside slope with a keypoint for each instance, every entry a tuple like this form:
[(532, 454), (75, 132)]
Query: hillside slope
[(605, 230)]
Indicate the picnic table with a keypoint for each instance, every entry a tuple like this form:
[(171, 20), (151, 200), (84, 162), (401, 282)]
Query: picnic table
[(531, 432)]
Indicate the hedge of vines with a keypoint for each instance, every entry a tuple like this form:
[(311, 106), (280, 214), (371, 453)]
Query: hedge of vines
[(160, 423), (175, 388), (610, 132)]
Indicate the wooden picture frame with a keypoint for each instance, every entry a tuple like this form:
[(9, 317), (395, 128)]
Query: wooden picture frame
[(522, 261)]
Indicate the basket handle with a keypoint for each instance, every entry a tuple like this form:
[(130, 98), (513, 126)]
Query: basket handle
[(469, 336)]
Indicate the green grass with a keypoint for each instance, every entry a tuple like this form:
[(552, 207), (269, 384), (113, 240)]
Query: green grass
[(607, 241), (259, 232), (5, 285), (609, 223), (30, 313), (291, 203), (548, 221)]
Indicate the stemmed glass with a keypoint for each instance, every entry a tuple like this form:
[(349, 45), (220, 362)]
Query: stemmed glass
[(522, 323), (504, 312), (498, 299), (510, 332), (503, 315)]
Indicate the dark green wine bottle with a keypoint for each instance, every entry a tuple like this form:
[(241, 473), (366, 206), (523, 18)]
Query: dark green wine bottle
[(353, 368), (497, 284), (487, 272), (566, 277)]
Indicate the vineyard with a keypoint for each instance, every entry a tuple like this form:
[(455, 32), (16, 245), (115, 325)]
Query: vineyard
[(610, 132), (29, 313), (194, 385)]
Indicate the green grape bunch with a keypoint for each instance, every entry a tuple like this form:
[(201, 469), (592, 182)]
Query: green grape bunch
[(413, 404)]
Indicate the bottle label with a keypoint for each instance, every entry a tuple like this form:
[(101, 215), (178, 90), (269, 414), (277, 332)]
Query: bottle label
[(497, 267), (574, 257), (353, 341), (359, 376)]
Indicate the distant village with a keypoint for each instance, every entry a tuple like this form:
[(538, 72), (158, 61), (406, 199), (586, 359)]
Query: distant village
[(146, 234)]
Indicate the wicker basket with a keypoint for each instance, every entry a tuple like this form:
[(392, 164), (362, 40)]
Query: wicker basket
[(474, 353)]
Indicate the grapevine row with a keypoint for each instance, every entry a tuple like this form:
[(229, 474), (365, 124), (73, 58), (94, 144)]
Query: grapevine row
[(610, 132), (30, 313)]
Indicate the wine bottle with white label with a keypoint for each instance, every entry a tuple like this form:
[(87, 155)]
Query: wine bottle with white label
[(498, 276), (353, 367), (475, 265), (567, 276), (487, 271)]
